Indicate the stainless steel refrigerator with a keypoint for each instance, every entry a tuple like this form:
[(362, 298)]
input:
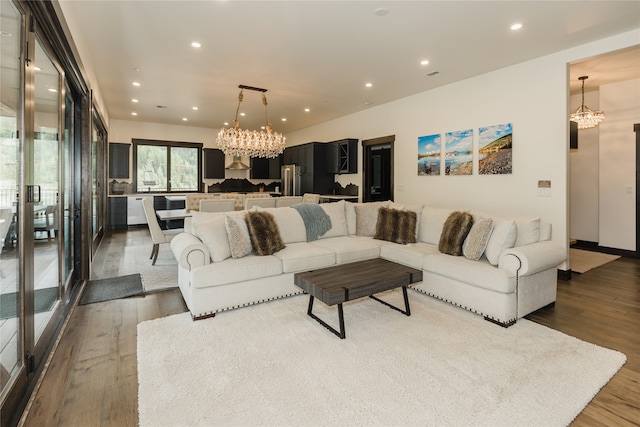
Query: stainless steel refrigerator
[(290, 180)]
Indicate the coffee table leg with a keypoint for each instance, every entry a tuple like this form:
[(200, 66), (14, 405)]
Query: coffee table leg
[(340, 333), (407, 309)]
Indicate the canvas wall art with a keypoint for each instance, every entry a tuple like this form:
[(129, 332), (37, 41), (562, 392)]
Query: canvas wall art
[(494, 149), (458, 152), (429, 148)]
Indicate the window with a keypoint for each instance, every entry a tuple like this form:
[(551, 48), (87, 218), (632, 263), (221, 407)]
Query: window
[(166, 166)]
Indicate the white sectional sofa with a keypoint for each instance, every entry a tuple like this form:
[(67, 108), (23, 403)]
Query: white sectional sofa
[(515, 275)]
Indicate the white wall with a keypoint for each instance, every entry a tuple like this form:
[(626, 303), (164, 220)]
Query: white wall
[(621, 104), (585, 172), (533, 96)]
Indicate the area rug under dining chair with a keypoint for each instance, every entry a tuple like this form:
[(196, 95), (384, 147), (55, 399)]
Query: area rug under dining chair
[(112, 288)]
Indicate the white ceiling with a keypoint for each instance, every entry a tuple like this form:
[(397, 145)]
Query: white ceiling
[(316, 54)]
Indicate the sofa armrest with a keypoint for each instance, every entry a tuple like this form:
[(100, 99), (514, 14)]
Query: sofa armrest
[(531, 259), (189, 251)]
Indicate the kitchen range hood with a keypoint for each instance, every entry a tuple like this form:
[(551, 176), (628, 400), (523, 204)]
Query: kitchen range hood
[(237, 164)]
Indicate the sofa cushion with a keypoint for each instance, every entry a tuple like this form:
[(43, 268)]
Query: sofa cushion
[(431, 224), (398, 226), (350, 249), (337, 214), (238, 234), (289, 222), (305, 256), (264, 233), (478, 273), (477, 239), (236, 270), (210, 228), (502, 237), (454, 232), (411, 255)]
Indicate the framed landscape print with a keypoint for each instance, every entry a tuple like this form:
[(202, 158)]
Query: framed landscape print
[(458, 152), (494, 149), (429, 148)]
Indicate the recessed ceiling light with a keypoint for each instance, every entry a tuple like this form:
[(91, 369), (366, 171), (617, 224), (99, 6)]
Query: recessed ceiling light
[(134, 113), (381, 11), (307, 110), (367, 102), (194, 108), (368, 84), (134, 100), (184, 119), (242, 114), (226, 123), (136, 83), (516, 26), (424, 62), (52, 89), (284, 119), (196, 44)]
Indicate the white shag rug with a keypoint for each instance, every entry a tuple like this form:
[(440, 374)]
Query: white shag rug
[(271, 364), (162, 275)]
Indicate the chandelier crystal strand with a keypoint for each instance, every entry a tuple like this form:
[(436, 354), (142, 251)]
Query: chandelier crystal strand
[(584, 116), (237, 142)]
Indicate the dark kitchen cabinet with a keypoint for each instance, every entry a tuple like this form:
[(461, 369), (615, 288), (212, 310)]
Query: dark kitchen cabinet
[(118, 160), (342, 156), (312, 159), (117, 213), (213, 163), (262, 168)]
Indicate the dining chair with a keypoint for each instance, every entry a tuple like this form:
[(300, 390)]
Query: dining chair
[(288, 201), (210, 205), (6, 216), (310, 198), (47, 221), (262, 202), (158, 235)]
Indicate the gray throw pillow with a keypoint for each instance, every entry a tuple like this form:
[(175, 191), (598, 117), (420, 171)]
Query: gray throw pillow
[(477, 239)]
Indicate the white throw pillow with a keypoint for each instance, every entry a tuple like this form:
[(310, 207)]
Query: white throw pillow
[(213, 234), (336, 212), (367, 217), (431, 224), (238, 234), (290, 224), (528, 230), (502, 237)]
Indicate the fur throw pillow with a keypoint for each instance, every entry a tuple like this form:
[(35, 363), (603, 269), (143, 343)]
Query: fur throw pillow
[(396, 226), (455, 230), (264, 233)]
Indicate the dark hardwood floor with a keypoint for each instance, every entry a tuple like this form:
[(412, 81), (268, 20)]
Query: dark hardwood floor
[(92, 377)]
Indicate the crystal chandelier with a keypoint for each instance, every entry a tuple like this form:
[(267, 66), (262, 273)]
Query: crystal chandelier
[(237, 142), (585, 117)]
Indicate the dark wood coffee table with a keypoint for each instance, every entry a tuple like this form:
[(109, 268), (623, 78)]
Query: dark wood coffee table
[(346, 282)]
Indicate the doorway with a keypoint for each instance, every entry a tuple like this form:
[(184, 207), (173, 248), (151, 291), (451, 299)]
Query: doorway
[(378, 169)]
